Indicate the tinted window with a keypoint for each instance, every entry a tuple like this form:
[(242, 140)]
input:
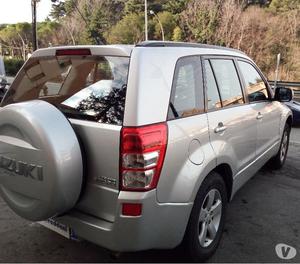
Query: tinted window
[(228, 82), (83, 87), (187, 96), (213, 98), (255, 86)]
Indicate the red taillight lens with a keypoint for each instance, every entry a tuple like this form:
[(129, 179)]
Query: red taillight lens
[(142, 154), (73, 52), (131, 209)]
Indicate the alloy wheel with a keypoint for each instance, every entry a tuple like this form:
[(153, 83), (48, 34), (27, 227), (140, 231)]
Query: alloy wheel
[(210, 217), (284, 146)]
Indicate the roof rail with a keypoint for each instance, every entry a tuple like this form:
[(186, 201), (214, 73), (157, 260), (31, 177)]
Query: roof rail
[(183, 44)]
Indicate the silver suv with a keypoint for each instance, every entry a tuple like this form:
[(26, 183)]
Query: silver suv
[(138, 147)]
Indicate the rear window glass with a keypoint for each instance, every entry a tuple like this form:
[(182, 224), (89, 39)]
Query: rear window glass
[(82, 87), (187, 97)]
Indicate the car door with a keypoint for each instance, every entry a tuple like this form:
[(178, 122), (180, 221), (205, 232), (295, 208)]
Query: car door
[(267, 111), (232, 123), (189, 153)]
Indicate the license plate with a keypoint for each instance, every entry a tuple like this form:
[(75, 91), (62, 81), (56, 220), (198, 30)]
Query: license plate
[(59, 228)]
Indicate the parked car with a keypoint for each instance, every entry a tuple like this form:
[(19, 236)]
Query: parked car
[(138, 147), (295, 107)]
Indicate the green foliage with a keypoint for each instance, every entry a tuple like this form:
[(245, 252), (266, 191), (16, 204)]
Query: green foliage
[(129, 30), (12, 66), (46, 32), (137, 6), (175, 6), (201, 19), (177, 34), (16, 38), (168, 22), (284, 5), (97, 24), (134, 6), (58, 10)]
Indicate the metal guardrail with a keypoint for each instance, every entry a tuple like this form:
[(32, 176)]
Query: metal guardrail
[(287, 84)]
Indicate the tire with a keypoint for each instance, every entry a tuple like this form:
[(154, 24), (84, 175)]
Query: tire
[(198, 245), (278, 161)]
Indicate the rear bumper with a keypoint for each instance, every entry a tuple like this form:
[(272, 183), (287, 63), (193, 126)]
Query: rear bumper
[(161, 226)]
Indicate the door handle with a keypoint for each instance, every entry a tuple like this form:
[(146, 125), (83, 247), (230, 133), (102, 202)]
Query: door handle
[(220, 128), (259, 116)]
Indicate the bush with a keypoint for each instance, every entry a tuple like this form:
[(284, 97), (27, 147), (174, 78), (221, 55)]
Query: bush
[(12, 66)]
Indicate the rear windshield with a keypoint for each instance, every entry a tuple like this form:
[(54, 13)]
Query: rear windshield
[(82, 87)]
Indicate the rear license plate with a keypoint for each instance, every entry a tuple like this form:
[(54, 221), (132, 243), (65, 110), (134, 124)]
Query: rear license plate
[(59, 228)]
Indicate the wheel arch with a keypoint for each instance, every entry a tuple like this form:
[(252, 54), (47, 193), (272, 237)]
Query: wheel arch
[(225, 172), (289, 121)]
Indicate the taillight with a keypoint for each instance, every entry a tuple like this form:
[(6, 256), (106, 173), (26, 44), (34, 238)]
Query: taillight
[(142, 155)]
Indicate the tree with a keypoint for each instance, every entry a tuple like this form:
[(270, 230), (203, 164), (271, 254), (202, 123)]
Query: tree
[(16, 39), (138, 6), (92, 18), (58, 10), (129, 30), (49, 34), (175, 6), (168, 22), (200, 20)]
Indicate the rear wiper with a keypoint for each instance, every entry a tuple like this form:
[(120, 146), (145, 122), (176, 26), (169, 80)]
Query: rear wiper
[(72, 113)]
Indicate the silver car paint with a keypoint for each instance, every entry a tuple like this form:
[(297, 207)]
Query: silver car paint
[(180, 178), (193, 150), (161, 226), (150, 81), (27, 137), (100, 143), (109, 50), (266, 137), (236, 146)]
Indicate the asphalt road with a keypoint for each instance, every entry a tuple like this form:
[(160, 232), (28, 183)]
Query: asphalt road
[(264, 212)]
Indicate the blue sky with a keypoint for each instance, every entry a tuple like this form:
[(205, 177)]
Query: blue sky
[(13, 11)]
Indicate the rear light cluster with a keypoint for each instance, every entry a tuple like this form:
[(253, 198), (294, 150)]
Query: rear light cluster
[(142, 154)]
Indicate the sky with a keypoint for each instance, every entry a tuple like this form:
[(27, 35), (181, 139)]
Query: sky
[(14, 11)]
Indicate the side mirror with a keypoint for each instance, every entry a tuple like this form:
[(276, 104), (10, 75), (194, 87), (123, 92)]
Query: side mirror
[(283, 94)]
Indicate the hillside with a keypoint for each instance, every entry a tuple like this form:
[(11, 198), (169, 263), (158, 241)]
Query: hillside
[(262, 29)]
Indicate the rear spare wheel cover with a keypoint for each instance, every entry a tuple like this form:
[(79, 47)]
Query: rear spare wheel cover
[(41, 166)]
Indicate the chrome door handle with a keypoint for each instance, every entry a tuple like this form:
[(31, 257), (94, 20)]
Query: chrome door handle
[(220, 128), (259, 116)]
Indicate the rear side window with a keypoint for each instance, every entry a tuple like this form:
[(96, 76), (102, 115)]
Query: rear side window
[(82, 87), (255, 86), (187, 94), (228, 82)]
